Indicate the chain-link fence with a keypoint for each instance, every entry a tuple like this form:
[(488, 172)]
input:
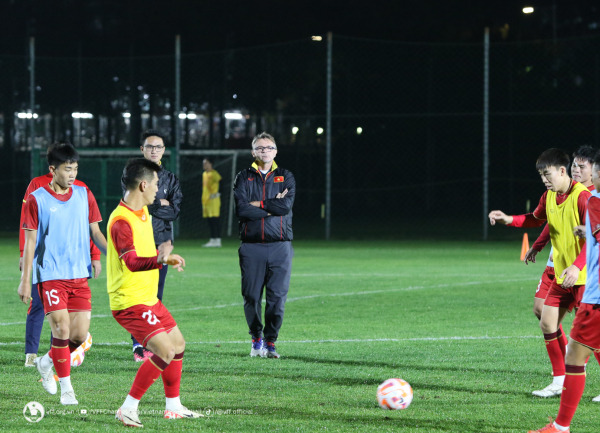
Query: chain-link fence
[(407, 124)]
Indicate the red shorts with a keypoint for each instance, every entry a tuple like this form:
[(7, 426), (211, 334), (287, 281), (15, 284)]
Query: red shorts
[(545, 283), (586, 326), (145, 321), (561, 297), (72, 295)]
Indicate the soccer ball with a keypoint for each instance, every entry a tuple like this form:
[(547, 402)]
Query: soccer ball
[(77, 357), (394, 394)]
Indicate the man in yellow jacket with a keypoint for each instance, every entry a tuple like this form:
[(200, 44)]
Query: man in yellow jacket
[(211, 202)]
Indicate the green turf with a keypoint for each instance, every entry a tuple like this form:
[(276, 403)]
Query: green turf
[(453, 319)]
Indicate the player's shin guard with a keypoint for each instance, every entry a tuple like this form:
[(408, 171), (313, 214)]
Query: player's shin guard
[(571, 395), (148, 372), (557, 358), (171, 376), (61, 357)]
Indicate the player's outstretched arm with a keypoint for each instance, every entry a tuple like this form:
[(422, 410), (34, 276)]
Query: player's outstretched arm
[(500, 217)]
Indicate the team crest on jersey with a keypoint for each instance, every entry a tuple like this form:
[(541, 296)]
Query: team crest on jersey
[(278, 179)]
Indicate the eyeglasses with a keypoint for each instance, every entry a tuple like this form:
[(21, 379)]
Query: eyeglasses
[(153, 148), (262, 149)]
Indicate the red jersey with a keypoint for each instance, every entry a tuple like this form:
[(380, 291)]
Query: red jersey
[(38, 182), (30, 212)]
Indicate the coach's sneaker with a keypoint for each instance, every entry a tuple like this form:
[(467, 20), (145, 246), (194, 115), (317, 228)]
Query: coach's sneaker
[(181, 412), (552, 390), (271, 352), (258, 348), (68, 398), (29, 358), (550, 428), (48, 381), (596, 399), (128, 417)]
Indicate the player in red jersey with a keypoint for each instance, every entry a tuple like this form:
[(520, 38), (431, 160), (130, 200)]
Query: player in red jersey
[(35, 313), (585, 333), (581, 170), (133, 264), (60, 219), (563, 205)]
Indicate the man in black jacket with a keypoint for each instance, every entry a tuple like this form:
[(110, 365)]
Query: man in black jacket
[(164, 211), (264, 196)]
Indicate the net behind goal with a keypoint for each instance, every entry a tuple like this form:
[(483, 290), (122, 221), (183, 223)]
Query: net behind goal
[(101, 170)]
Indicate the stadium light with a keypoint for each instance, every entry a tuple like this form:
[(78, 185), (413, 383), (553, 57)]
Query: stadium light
[(78, 115), (320, 130), (192, 116), (528, 10), (359, 130), (295, 130), (27, 115), (316, 38), (233, 116), (126, 115)]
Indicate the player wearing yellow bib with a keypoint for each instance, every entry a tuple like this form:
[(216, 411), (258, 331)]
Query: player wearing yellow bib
[(132, 280), (211, 202), (563, 205)]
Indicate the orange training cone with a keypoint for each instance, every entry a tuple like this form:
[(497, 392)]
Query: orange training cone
[(524, 246)]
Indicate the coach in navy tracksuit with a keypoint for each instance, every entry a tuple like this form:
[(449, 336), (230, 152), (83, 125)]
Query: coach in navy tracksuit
[(264, 196)]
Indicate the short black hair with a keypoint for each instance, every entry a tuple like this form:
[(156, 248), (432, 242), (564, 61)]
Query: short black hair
[(597, 159), (61, 152), (553, 157), (585, 152), (151, 133), (137, 170)]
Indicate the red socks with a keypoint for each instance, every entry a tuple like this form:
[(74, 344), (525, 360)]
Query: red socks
[(148, 372), (571, 395), (562, 340), (171, 376), (61, 357), (557, 357)]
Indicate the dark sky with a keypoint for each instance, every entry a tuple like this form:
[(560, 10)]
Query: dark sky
[(145, 27)]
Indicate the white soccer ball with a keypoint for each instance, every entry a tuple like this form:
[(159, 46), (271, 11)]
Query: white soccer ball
[(394, 394), (77, 357)]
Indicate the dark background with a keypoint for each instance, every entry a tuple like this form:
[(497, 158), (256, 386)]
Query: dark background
[(410, 74)]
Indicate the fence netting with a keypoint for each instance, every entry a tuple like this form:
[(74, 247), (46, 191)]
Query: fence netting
[(407, 125)]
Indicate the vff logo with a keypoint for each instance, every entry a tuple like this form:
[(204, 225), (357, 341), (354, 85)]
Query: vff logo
[(33, 411)]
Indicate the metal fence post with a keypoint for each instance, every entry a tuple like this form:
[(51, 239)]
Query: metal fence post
[(177, 161), (328, 141), (486, 132)]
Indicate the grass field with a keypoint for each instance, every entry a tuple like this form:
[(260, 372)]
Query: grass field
[(453, 319)]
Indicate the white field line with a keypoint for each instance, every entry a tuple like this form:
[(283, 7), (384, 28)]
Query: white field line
[(341, 341), (326, 295)]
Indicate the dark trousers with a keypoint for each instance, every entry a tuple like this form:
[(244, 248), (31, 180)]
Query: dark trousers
[(162, 275), (214, 224), (34, 322), (265, 266)]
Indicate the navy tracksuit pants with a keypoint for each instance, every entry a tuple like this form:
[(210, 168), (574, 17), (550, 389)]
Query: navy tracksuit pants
[(268, 266), (34, 322)]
